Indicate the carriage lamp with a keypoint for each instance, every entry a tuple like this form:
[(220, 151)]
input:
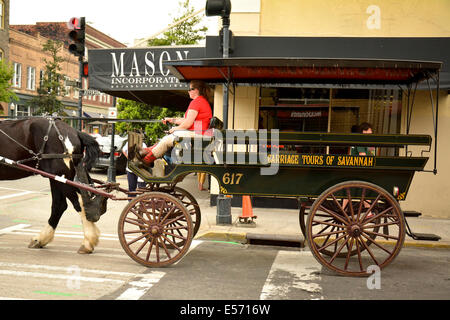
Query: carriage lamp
[(396, 191)]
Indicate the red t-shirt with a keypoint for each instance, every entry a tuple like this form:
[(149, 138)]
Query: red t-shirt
[(201, 105)]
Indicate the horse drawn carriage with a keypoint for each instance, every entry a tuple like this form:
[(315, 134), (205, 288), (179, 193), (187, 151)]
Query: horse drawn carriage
[(349, 205)]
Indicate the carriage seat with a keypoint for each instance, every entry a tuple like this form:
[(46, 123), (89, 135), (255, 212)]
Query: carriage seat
[(214, 124)]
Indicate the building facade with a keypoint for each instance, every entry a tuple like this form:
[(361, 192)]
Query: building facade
[(28, 60), (337, 29)]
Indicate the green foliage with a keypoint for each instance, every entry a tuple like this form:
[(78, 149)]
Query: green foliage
[(128, 109), (185, 33), (6, 75), (51, 85)]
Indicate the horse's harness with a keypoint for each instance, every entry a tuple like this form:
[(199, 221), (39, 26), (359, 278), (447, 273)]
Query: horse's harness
[(41, 155)]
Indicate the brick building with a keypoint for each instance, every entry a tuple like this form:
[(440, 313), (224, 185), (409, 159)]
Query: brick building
[(27, 57), (4, 29)]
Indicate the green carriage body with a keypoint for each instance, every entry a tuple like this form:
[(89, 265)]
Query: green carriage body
[(296, 174)]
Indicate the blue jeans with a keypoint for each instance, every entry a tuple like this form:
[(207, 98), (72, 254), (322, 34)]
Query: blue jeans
[(133, 183)]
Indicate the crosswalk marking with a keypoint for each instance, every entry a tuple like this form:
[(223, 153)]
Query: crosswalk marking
[(292, 269), (140, 285), (14, 228)]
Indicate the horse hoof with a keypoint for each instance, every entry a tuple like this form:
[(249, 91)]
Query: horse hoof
[(35, 244), (84, 250)]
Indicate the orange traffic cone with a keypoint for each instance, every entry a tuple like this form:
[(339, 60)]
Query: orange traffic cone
[(247, 210)]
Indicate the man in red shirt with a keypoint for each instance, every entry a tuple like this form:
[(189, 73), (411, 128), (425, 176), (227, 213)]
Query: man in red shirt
[(197, 115)]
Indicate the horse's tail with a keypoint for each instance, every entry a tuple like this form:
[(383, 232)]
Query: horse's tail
[(91, 149)]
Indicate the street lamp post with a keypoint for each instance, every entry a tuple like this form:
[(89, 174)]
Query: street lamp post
[(223, 8)]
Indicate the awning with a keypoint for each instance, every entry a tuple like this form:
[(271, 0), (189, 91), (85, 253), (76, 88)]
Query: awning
[(304, 70)]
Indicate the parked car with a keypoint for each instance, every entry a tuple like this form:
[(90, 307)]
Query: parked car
[(103, 160)]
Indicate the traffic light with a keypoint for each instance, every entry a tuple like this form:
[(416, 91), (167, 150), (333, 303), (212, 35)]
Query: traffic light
[(85, 69), (77, 35), (218, 8)]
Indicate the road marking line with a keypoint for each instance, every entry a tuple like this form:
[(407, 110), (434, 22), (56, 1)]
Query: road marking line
[(292, 269), (71, 232), (12, 189), (63, 235), (15, 195), (81, 270), (57, 276), (14, 228)]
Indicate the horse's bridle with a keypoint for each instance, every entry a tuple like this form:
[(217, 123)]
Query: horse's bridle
[(41, 155)]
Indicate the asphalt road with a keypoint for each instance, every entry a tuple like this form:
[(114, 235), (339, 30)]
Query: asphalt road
[(210, 271)]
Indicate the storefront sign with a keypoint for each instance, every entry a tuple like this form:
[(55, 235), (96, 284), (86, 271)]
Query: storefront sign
[(137, 68), (301, 114)]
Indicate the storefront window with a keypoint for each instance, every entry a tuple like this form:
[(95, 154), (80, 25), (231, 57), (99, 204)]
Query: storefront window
[(330, 110), (22, 111)]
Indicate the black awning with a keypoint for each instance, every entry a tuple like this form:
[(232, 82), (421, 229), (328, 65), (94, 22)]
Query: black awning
[(304, 70), (176, 100)]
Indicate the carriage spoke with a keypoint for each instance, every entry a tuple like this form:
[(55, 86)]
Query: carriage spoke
[(387, 236), (328, 223), (174, 235), (147, 258), (350, 203), (138, 238), (329, 233), (171, 242), (333, 214), (173, 220), (332, 242), (380, 225), (136, 222), (349, 251), (142, 246), (340, 207), (165, 249), (338, 250), (377, 244), (371, 207), (377, 216), (369, 251), (361, 203)]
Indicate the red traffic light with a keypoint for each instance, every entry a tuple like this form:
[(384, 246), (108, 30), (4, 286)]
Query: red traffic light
[(85, 69), (74, 23)]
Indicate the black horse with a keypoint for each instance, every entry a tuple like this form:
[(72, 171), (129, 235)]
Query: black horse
[(53, 146)]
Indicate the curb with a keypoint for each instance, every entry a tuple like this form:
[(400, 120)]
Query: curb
[(246, 238)]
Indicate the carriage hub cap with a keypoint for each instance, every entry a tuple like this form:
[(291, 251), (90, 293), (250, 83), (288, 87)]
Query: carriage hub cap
[(154, 230), (354, 230)]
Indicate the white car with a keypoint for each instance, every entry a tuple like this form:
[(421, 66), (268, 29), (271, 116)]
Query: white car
[(105, 151)]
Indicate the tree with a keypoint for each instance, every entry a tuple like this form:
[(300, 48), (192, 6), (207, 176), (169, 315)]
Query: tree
[(140, 111), (51, 86), (185, 33), (6, 75)]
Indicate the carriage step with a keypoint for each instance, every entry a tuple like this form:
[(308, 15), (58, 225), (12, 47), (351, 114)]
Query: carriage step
[(412, 214), (425, 236)]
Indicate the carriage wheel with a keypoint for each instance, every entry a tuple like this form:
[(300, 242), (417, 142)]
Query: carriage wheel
[(189, 202), (345, 239), (147, 229)]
